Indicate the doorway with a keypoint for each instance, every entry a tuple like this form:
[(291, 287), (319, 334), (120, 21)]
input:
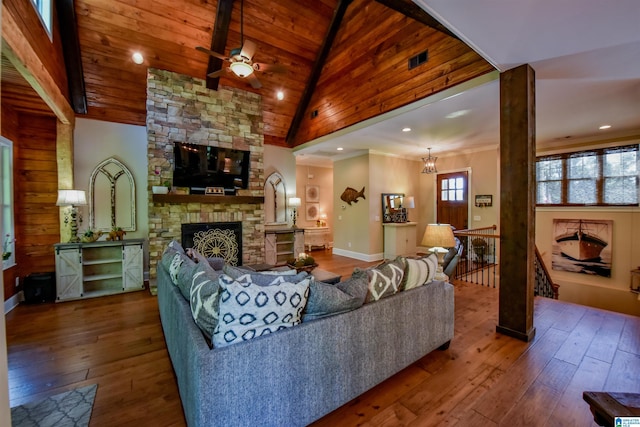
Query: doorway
[(452, 200)]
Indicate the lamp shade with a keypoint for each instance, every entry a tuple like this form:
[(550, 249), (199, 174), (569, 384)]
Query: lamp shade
[(71, 198), (438, 235), (241, 69), (409, 202), (294, 202)]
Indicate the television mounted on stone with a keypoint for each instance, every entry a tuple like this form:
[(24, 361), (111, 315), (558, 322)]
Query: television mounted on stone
[(202, 166)]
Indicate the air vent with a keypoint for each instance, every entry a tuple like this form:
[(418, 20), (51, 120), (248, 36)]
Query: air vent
[(420, 58)]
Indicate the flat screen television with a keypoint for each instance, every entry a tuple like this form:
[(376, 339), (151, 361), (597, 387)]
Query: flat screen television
[(201, 166)]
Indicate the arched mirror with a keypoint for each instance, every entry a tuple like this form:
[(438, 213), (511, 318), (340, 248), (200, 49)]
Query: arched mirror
[(112, 197), (275, 197)]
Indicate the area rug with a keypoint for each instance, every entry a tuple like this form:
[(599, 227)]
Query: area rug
[(68, 409)]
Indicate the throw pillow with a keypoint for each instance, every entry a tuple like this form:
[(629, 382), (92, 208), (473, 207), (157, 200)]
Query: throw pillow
[(416, 274), (212, 264), (385, 279), (264, 278), (327, 300), (248, 310), (204, 298), (432, 262)]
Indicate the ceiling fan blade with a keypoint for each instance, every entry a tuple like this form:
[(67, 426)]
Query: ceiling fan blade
[(255, 83), (248, 49), (269, 68), (221, 72), (212, 53)]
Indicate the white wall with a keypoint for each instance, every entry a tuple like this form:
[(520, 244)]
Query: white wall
[(95, 141)]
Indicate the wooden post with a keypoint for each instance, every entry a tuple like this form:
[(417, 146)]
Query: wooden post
[(517, 200), (64, 153)]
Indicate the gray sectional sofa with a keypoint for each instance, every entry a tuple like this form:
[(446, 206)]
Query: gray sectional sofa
[(297, 375)]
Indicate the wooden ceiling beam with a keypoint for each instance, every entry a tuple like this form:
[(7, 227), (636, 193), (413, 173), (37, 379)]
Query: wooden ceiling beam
[(305, 99), (72, 57), (413, 11), (219, 40), (27, 62)]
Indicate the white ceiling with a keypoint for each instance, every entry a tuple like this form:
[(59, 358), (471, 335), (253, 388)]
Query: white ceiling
[(586, 56)]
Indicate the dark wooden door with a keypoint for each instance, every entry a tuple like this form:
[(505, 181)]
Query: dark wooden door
[(453, 206)]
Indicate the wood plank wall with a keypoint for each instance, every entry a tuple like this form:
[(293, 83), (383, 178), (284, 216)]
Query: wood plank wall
[(35, 193), (366, 73)]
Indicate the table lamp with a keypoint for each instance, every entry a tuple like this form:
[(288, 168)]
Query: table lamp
[(72, 198), (439, 237), (295, 203)]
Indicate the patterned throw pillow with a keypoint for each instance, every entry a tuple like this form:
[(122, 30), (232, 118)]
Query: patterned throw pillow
[(432, 261), (248, 310), (417, 273), (264, 278), (327, 300), (205, 298), (385, 279)]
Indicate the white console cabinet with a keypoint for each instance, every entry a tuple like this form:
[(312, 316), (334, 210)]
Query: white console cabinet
[(317, 236), (85, 270), (282, 245), (399, 239)]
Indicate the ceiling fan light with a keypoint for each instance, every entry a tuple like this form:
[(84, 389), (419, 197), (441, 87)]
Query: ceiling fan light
[(241, 69)]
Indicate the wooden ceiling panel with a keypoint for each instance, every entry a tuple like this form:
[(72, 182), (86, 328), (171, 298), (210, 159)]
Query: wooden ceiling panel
[(16, 92), (365, 73)]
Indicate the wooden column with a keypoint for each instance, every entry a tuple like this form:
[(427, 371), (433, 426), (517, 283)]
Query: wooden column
[(64, 148), (517, 200)]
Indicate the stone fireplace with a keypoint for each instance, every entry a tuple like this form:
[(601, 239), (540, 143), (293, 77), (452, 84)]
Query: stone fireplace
[(181, 108)]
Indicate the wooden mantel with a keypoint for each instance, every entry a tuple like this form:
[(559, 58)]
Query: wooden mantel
[(205, 198)]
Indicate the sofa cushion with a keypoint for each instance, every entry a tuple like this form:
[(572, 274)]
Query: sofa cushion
[(173, 258), (204, 298), (216, 263), (327, 300), (248, 310), (384, 279)]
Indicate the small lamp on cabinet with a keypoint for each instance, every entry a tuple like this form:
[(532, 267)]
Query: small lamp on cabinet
[(295, 203), (72, 198)]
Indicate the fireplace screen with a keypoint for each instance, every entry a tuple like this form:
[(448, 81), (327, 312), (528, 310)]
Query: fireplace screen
[(218, 239)]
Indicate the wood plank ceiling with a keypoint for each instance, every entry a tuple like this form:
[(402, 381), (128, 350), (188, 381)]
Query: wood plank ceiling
[(365, 72)]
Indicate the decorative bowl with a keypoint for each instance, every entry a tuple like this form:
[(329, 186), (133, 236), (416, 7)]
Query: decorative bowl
[(159, 189), (306, 268)]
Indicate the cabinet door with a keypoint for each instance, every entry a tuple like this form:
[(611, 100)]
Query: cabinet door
[(298, 243), (270, 249), (132, 276), (68, 274)]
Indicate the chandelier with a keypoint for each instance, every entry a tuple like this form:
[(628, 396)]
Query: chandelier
[(429, 163)]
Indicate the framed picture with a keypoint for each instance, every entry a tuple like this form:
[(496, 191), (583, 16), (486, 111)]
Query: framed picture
[(313, 211), (312, 193), (582, 246)]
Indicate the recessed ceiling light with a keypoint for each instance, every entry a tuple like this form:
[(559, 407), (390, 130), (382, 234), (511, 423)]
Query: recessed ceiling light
[(280, 95), (339, 148), (406, 129), (137, 58), (603, 127)]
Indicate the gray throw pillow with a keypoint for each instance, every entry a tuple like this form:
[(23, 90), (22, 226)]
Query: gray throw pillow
[(205, 298), (248, 310), (328, 300), (418, 272)]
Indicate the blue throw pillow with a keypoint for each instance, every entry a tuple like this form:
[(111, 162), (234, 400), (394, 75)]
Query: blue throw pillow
[(328, 300)]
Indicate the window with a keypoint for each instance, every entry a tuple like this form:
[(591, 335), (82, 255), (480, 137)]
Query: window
[(6, 200), (43, 7), (604, 177), (452, 189)]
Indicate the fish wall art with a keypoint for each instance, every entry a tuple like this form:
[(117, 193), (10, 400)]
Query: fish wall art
[(352, 195)]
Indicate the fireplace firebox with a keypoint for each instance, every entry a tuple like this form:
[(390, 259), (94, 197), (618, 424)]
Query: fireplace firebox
[(215, 239)]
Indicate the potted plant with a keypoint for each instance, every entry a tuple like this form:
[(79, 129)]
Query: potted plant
[(90, 236)]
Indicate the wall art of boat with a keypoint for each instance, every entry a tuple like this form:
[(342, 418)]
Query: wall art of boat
[(581, 242)]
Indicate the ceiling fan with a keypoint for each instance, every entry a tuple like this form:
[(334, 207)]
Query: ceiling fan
[(241, 59)]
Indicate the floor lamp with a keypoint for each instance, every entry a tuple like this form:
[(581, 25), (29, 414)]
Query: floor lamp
[(439, 237), (72, 198)]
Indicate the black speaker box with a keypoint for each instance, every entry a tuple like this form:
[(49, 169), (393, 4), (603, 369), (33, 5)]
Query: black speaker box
[(39, 287)]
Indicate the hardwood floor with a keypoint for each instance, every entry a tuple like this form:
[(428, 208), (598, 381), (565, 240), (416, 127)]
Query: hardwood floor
[(483, 379)]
